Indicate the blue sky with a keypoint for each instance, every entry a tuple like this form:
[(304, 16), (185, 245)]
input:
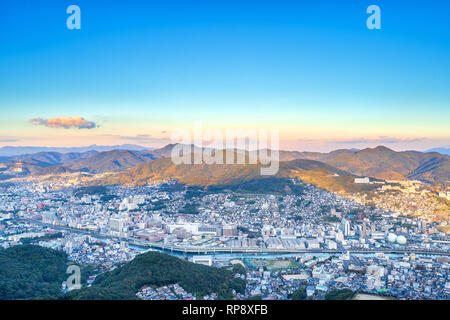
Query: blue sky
[(309, 68)]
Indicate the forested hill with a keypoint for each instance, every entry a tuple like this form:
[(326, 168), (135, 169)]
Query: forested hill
[(159, 269), (31, 272), (34, 272)]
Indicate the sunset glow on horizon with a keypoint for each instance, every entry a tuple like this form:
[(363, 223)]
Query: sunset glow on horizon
[(134, 74)]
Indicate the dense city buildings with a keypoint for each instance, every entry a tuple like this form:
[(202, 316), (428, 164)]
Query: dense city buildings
[(312, 239)]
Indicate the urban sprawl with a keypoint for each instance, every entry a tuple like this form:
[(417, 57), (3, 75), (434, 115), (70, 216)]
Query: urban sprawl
[(316, 240)]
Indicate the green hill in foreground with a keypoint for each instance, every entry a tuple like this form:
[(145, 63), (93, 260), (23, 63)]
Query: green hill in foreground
[(159, 269), (31, 272)]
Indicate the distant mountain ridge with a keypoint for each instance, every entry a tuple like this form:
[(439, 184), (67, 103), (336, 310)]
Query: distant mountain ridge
[(46, 159), (384, 163), (380, 163), (445, 151), (163, 169), (9, 151), (92, 162), (110, 161)]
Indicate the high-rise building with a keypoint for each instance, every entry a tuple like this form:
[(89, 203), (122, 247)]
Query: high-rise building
[(118, 226), (422, 226), (345, 227), (364, 230)]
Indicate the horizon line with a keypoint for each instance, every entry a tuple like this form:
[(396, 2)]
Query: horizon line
[(254, 149)]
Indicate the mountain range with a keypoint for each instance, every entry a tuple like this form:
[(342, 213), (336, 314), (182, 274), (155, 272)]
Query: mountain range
[(383, 163), (45, 163), (9, 151), (143, 166)]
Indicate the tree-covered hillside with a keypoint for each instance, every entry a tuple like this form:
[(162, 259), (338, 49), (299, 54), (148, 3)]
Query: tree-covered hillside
[(34, 272), (159, 269), (31, 272)]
